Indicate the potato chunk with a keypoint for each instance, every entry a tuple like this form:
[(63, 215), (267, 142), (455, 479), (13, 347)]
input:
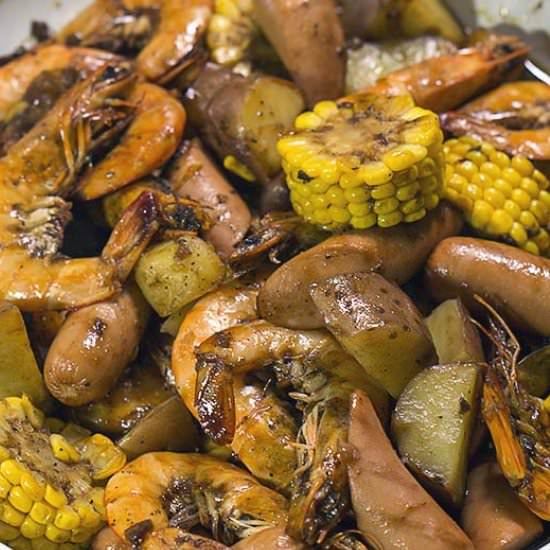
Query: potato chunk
[(174, 273), (377, 323), (454, 335), (432, 426), (19, 372)]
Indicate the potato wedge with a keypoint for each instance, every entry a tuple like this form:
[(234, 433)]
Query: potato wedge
[(168, 427), (534, 372), (309, 38), (377, 323), (19, 372), (137, 392), (244, 117), (390, 506), (454, 335), (174, 273), (432, 426), (493, 516)]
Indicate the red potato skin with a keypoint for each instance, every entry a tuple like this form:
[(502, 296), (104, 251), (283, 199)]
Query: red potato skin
[(273, 538), (390, 506), (94, 346), (308, 36), (195, 176), (490, 501), (396, 253), (515, 282)]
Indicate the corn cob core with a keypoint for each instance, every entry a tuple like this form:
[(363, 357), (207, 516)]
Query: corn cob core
[(501, 196), (49, 498), (364, 161)]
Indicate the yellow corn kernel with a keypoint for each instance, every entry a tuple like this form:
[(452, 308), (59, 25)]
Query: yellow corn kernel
[(385, 206), (391, 219), (8, 532), (336, 196), (541, 179), (35, 416), (495, 198), (11, 516), (521, 198), (89, 518), (528, 220), (55, 497), (339, 215), (487, 149), (383, 191), (63, 450), (518, 233), (482, 180), (325, 109), (350, 180), (407, 192), (357, 195), (308, 121), (57, 535), (5, 454), (431, 200), (67, 518), (522, 165), (42, 513), (16, 407), (31, 529), (501, 222), (481, 214), (429, 184), (33, 487), (20, 500), (498, 158), (512, 176), (404, 156), (12, 470), (234, 165), (320, 201), (415, 216), (5, 487), (532, 247), (457, 182), (477, 157), (544, 196), (466, 168), (542, 240), (513, 209), (540, 211), (361, 209), (43, 543), (492, 170), (364, 222), (504, 186), (375, 173), (473, 192), (412, 206), (530, 186)]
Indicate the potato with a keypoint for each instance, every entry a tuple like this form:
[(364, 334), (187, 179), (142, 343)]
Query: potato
[(390, 506), (534, 372), (454, 335), (377, 323), (138, 391), (168, 427), (114, 204), (432, 425), (244, 117), (19, 372), (176, 272), (493, 516)]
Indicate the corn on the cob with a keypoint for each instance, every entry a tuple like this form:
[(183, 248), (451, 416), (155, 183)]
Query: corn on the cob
[(49, 493), (501, 196), (365, 161), (231, 31)]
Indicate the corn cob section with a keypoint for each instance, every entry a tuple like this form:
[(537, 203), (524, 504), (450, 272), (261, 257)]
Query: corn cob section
[(365, 161), (50, 498), (502, 197), (231, 31)]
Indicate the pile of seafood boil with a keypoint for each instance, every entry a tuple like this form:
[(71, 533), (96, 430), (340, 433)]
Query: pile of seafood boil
[(274, 274)]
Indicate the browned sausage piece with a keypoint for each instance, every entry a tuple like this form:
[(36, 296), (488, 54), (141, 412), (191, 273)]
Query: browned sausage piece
[(94, 346), (195, 176), (490, 501), (273, 538), (396, 253), (308, 36), (516, 282), (390, 506)]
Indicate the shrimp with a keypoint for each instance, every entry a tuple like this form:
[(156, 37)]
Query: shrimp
[(518, 422), (514, 118), (442, 83), (323, 376), (171, 48), (161, 490), (264, 429), (17, 75), (150, 140)]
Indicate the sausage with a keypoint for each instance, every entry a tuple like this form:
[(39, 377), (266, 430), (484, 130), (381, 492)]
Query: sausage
[(195, 176), (309, 39), (107, 539), (515, 282), (390, 506), (397, 253), (491, 501), (94, 346)]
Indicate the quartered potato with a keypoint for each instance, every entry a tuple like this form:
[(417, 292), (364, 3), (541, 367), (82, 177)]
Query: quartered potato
[(432, 426), (534, 372), (377, 323), (174, 273), (454, 335), (19, 372), (167, 427)]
